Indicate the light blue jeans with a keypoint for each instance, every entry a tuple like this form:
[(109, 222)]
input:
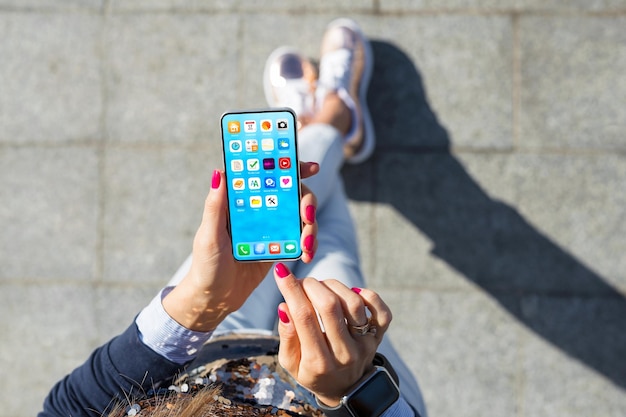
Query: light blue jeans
[(337, 255)]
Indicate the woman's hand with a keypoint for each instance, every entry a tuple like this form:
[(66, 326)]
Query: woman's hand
[(216, 284), (329, 362)]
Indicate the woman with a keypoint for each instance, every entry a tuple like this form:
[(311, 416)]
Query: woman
[(329, 330)]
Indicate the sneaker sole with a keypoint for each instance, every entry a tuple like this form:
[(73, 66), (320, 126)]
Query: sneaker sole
[(369, 135)]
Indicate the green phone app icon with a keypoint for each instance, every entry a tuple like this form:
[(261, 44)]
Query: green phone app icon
[(243, 249)]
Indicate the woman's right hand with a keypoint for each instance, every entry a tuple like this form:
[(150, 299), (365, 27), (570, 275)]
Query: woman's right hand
[(327, 362)]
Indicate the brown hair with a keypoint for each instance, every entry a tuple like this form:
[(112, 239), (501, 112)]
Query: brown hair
[(206, 402)]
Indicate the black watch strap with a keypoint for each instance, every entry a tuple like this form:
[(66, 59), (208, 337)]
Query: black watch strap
[(381, 360), (339, 411)]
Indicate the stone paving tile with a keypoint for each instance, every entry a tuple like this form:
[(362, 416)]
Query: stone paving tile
[(154, 204), (442, 211), (462, 348), (572, 81), (117, 6), (402, 255), (430, 66), (39, 343), (169, 77), (451, 6), (589, 379), (433, 221), (50, 67), (117, 306), (55, 5), (575, 201), (591, 382), (49, 214), (300, 6)]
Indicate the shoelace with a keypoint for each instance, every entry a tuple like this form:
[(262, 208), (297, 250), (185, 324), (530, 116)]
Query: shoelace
[(296, 94), (335, 70)]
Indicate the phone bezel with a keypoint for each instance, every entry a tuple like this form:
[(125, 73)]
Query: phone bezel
[(257, 111)]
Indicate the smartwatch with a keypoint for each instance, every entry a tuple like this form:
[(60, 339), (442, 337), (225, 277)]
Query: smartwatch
[(371, 396)]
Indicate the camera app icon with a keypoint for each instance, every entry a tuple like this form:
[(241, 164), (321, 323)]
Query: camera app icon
[(282, 124)]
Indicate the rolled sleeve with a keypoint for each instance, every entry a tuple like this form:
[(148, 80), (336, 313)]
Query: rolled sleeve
[(166, 336)]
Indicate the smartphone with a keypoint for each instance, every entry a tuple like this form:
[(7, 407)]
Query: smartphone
[(263, 181)]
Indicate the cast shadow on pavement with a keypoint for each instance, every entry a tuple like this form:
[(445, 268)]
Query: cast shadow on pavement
[(487, 241)]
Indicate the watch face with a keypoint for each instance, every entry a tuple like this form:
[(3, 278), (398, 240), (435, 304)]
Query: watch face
[(375, 396)]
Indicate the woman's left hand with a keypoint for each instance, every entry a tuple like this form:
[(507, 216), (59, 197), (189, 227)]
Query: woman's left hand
[(327, 362), (216, 284)]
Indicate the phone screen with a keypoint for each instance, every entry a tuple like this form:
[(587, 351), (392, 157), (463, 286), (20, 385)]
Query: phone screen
[(263, 183)]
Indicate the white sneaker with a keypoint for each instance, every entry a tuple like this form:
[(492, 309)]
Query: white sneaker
[(346, 67), (289, 81)]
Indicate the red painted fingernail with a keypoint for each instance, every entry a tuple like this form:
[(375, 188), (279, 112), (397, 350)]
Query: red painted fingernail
[(217, 178), (283, 316), (310, 213), (356, 290), (281, 270), (308, 243)]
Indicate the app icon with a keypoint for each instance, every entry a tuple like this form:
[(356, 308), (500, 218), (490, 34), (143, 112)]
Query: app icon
[(259, 248), (284, 163), (283, 143), (266, 125), (291, 247), (286, 182), (270, 182), (239, 184), (268, 163), (252, 145), (254, 183), (234, 127), (271, 201), (235, 146), (256, 201), (243, 249), (249, 126), (253, 164), (236, 165), (267, 144), (239, 202), (274, 248), (282, 124)]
